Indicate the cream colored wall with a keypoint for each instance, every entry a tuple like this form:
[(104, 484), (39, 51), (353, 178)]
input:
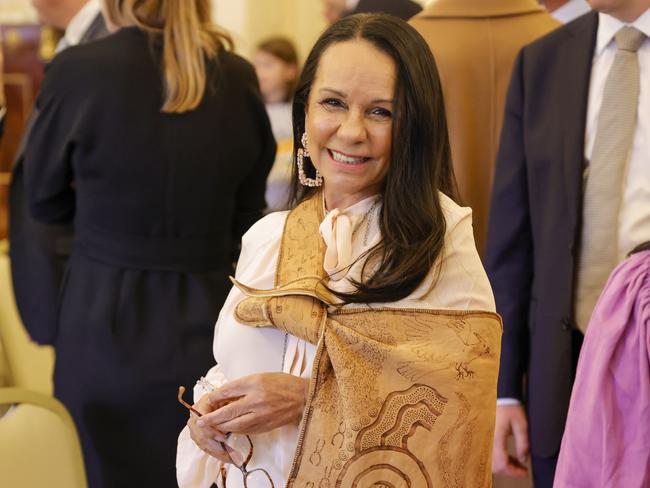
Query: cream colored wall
[(305, 22), (249, 21), (16, 12)]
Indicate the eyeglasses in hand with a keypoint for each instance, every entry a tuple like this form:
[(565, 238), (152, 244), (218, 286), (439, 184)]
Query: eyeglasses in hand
[(244, 445)]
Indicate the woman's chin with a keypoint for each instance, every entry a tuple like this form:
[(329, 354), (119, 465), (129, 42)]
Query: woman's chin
[(341, 193)]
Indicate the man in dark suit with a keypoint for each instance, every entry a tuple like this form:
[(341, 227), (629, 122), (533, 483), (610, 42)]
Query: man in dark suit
[(567, 112), (38, 251), (404, 9)]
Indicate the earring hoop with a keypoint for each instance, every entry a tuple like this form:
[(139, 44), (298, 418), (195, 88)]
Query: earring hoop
[(301, 154)]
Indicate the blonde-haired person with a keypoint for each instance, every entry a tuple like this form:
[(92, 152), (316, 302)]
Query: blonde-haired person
[(156, 144)]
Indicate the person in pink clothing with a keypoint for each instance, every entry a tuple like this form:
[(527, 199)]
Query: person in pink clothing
[(606, 441)]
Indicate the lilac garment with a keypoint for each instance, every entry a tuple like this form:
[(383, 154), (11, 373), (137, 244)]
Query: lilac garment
[(607, 438)]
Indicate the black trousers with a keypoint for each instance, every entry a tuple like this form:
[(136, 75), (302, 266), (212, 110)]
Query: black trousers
[(544, 467)]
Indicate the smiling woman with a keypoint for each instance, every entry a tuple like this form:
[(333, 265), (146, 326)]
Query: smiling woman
[(380, 87), (349, 123), (359, 346)]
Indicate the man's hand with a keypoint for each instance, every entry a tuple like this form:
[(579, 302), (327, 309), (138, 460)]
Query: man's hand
[(510, 420)]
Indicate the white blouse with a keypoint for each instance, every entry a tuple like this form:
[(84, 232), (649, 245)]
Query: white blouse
[(241, 350)]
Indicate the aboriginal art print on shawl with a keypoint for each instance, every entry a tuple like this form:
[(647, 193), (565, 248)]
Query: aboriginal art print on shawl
[(398, 397)]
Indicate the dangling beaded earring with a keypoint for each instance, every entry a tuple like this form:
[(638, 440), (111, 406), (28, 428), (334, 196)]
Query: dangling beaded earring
[(300, 160)]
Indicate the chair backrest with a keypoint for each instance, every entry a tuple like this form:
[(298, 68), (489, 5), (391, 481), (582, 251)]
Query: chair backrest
[(39, 445), (25, 364)]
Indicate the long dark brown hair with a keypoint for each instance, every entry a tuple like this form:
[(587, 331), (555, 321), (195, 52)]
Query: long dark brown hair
[(411, 221)]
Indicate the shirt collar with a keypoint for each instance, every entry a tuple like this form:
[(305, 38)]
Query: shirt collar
[(351, 4), (608, 26), (571, 10), (81, 22)]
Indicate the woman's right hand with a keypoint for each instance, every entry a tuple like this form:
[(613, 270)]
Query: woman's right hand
[(207, 438)]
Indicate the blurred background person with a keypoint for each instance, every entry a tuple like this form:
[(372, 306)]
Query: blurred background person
[(39, 251), (77, 18), (156, 144), (607, 435), (276, 65), (337, 9), (475, 44)]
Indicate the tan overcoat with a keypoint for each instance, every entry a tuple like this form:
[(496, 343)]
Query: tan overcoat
[(475, 43)]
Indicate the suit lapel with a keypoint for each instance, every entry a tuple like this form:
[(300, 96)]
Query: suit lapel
[(96, 30), (23, 140), (575, 57)]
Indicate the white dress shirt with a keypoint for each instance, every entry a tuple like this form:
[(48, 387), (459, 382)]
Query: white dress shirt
[(461, 284), (79, 25), (571, 10), (634, 216), (351, 4)]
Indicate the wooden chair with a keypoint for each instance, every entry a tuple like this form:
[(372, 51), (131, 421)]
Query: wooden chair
[(39, 445), (27, 364)]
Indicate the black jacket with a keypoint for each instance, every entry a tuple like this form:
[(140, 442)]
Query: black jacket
[(159, 203)]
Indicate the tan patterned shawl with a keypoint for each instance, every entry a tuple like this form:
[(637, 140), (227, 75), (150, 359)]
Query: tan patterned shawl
[(398, 397)]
